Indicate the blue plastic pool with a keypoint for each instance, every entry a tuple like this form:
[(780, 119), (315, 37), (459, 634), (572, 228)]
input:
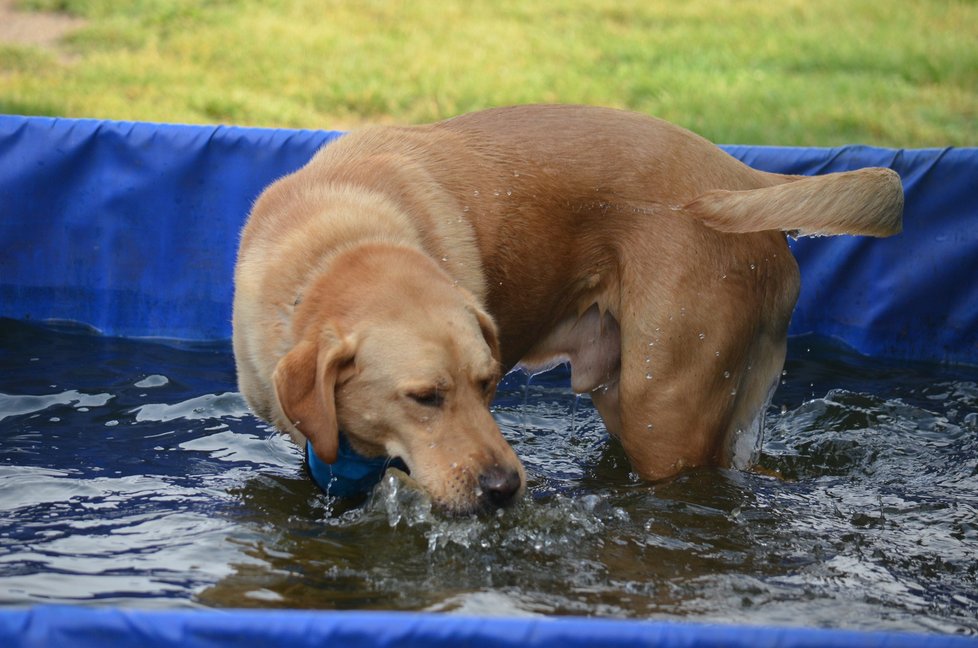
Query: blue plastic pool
[(132, 229)]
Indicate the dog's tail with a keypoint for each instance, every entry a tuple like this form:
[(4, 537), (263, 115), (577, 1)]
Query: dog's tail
[(867, 202)]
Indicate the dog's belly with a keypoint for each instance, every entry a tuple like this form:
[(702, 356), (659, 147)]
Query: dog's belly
[(591, 343)]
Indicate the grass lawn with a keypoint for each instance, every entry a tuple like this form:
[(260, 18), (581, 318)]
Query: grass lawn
[(901, 73)]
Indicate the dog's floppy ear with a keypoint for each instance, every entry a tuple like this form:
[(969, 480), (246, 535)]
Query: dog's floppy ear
[(489, 330), (305, 384), (868, 202)]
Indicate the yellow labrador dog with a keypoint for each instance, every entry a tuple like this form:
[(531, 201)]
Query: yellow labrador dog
[(384, 288)]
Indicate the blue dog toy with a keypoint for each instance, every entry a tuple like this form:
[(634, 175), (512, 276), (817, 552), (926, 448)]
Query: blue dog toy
[(351, 474)]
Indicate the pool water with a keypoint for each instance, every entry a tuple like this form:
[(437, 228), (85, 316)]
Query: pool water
[(131, 473)]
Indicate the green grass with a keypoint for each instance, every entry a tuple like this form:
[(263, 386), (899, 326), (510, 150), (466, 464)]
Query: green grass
[(900, 73)]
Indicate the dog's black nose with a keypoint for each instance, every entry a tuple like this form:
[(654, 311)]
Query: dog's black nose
[(499, 486)]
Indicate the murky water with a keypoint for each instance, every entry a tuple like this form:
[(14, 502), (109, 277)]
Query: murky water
[(131, 473)]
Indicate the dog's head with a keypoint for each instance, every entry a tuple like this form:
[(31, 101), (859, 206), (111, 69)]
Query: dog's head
[(405, 363)]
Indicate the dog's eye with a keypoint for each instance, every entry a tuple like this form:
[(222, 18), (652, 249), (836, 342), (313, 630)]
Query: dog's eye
[(486, 385), (432, 398)]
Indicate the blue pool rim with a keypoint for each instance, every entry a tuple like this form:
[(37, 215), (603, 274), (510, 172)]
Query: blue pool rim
[(58, 626), (132, 228)]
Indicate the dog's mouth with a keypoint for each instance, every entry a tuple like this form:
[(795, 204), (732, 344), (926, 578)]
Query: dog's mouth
[(353, 475)]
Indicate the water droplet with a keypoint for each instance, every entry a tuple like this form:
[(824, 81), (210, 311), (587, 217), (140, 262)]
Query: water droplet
[(752, 266), (648, 426), (509, 192), (495, 193), (702, 336), (465, 209), (648, 359), (475, 193), (516, 174), (648, 376), (726, 374), (733, 392), (716, 353), (723, 276), (444, 258)]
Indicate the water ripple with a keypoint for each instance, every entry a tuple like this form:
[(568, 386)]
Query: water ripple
[(132, 473)]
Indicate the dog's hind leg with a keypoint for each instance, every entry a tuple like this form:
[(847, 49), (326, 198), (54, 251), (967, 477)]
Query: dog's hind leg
[(703, 328)]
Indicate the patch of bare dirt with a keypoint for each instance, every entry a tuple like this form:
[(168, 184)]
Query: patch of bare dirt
[(41, 29)]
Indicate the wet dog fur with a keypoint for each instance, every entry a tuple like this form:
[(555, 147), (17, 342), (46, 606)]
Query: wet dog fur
[(383, 289)]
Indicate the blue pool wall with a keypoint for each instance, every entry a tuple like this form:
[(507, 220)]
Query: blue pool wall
[(132, 228), (56, 627)]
